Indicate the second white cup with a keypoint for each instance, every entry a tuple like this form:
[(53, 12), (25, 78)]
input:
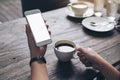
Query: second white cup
[(79, 8)]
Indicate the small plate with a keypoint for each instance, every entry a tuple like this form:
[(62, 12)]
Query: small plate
[(98, 24), (88, 13)]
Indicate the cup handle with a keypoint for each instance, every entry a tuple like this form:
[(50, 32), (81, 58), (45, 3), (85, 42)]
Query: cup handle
[(69, 7), (75, 56)]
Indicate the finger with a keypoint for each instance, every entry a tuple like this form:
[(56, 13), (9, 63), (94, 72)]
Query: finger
[(80, 54), (42, 48), (45, 46), (89, 48), (28, 30), (29, 35), (47, 26), (84, 50), (81, 49), (87, 63), (82, 59), (49, 31), (45, 21)]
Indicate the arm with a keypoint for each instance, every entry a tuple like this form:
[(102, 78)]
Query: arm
[(91, 58), (109, 71), (38, 70)]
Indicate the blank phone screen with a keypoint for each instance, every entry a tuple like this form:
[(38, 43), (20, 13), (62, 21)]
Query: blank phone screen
[(38, 27)]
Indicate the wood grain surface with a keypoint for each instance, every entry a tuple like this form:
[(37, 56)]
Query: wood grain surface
[(14, 51), (10, 10)]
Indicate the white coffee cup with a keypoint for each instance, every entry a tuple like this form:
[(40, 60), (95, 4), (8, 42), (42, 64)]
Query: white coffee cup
[(64, 50), (79, 8)]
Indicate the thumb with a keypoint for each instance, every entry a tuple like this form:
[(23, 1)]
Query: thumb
[(81, 49)]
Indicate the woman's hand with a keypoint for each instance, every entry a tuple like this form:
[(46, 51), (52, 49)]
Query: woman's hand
[(38, 70), (89, 57), (34, 50)]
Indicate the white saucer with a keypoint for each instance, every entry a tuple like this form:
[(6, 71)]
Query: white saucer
[(88, 13), (98, 24)]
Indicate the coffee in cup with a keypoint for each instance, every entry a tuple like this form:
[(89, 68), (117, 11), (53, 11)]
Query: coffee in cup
[(64, 50), (79, 8)]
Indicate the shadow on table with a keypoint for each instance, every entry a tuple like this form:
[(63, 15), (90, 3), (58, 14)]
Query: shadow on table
[(67, 71), (76, 20), (98, 34)]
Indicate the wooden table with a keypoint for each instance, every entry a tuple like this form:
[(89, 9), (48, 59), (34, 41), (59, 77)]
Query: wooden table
[(14, 51)]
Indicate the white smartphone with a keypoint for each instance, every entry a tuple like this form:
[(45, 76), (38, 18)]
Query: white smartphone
[(38, 27)]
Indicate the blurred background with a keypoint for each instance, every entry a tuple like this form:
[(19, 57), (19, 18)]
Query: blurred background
[(10, 10), (13, 9)]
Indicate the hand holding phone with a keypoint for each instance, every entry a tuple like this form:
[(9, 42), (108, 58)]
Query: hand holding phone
[(38, 27)]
